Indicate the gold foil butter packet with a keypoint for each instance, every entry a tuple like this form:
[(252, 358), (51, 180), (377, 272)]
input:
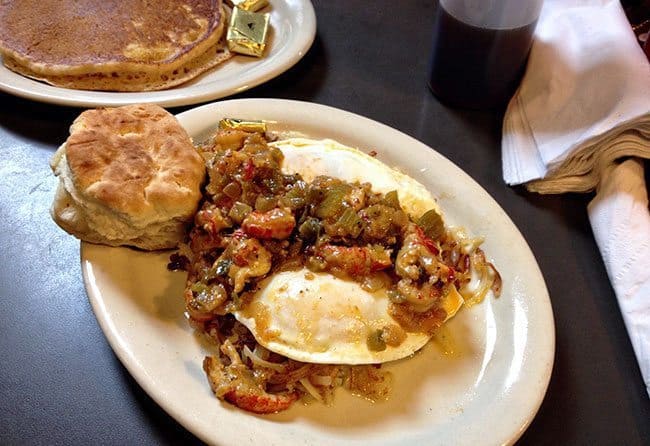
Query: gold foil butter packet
[(248, 5), (242, 124), (247, 32)]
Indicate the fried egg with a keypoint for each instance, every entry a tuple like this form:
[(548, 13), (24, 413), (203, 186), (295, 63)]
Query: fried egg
[(317, 317), (311, 158)]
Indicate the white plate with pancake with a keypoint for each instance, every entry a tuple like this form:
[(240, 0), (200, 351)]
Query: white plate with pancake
[(481, 382), (293, 28)]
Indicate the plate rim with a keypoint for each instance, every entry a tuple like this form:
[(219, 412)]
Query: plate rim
[(26, 88), (516, 430)]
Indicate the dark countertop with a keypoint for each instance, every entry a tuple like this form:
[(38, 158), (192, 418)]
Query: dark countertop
[(60, 382)]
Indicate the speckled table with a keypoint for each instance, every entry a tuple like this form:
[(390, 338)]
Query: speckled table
[(60, 382)]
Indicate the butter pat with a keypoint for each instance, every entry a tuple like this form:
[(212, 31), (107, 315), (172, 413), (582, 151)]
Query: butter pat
[(248, 5), (247, 32), (244, 125)]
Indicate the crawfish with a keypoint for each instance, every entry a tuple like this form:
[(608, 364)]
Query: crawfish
[(236, 384), (355, 260), (276, 224)]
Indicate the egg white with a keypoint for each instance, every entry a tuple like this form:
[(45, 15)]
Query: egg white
[(311, 158), (323, 319)]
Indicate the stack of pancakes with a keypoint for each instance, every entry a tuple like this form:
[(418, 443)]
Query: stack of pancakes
[(113, 45)]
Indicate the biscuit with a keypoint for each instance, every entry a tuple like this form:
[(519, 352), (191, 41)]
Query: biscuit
[(127, 176)]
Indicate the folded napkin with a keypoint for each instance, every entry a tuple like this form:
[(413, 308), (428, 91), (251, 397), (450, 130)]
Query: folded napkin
[(621, 223), (578, 119), (584, 100)]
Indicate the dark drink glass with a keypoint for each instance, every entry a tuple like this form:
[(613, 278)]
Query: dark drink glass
[(480, 49)]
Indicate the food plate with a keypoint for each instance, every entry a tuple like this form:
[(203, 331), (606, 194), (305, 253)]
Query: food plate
[(480, 382), (293, 27)]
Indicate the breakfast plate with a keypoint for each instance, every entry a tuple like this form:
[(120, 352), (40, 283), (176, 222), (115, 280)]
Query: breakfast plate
[(293, 28), (481, 380)]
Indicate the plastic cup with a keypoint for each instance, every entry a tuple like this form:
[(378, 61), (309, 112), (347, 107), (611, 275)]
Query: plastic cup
[(480, 49)]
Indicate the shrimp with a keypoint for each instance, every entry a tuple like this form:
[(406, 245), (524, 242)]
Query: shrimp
[(236, 384), (356, 198), (276, 224), (261, 402), (421, 297), (249, 259), (211, 220), (355, 260), (417, 255), (203, 301)]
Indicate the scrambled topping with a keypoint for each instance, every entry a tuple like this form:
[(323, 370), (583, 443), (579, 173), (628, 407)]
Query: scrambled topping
[(256, 220)]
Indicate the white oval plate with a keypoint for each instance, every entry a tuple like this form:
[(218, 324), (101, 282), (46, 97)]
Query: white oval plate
[(293, 28), (486, 392)]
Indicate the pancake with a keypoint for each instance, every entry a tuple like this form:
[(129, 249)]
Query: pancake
[(112, 45), (132, 80)]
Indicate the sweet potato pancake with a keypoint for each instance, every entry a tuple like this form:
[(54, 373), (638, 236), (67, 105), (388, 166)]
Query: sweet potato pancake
[(125, 45)]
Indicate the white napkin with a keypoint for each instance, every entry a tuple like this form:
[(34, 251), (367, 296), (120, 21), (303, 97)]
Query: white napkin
[(583, 104), (620, 220), (584, 100)]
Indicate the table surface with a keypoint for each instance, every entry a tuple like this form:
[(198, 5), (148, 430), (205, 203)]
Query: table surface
[(60, 382)]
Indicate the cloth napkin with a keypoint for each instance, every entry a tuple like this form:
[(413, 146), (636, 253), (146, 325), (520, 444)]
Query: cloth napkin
[(578, 120), (584, 100)]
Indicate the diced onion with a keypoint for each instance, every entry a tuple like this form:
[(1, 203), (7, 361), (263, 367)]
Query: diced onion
[(478, 293), (309, 387), (261, 352), (467, 244), (256, 360), (321, 380)]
